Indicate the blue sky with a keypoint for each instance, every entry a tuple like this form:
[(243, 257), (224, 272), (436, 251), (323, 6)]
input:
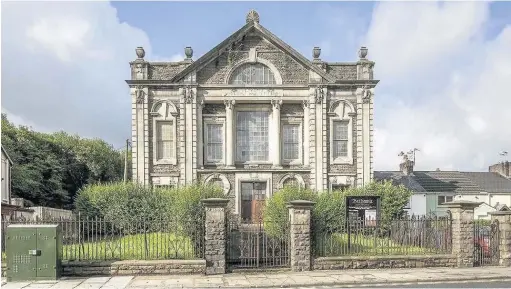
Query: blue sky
[(443, 67)]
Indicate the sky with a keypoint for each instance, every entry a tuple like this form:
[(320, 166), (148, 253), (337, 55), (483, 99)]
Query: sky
[(444, 67)]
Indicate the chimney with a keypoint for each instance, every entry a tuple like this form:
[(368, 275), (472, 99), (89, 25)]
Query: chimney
[(502, 169), (406, 167)]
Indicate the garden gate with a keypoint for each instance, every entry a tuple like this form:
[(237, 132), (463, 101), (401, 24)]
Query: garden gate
[(249, 246), (486, 243)]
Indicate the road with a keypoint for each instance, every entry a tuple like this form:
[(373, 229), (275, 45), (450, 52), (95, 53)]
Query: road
[(481, 284)]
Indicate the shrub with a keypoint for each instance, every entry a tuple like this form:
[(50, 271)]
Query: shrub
[(276, 214)]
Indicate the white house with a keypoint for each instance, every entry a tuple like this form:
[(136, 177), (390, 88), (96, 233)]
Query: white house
[(251, 115)]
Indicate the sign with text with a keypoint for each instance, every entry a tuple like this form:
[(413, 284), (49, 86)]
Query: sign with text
[(366, 208)]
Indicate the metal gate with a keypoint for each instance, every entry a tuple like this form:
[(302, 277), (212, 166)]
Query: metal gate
[(250, 246), (486, 243)]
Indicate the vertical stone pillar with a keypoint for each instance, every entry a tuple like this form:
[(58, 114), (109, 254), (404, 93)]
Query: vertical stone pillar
[(462, 231), (320, 158), (504, 223), (215, 236), (200, 134), (300, 221), (276, 105), (306, 134), (229, 138)]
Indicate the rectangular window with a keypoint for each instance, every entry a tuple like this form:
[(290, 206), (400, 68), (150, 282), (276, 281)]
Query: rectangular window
[(252, 136), (253, 197), (444, 199), (340, 139), (214, 142), (165, 140), (291, 141)]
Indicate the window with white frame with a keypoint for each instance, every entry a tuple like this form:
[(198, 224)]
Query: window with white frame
[(340, 139), (291, 141), (165, 140), (214, 137), (444, 199), (252, 136), (252, 73)]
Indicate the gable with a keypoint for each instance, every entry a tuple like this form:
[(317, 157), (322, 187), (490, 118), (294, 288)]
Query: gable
[(218, 70)]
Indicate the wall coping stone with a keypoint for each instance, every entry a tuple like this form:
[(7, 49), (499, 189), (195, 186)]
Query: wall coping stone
[(215, 202), (461, 204), (301, 204), (392, 257)]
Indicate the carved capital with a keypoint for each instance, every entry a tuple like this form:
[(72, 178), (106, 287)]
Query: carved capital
[(276, 103), (319, 94), (188, 94), (229, 103), (305, 103), (140, 94), (200, 102)]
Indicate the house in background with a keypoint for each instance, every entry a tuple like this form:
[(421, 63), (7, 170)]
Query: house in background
[(433, 188), (7, 207)]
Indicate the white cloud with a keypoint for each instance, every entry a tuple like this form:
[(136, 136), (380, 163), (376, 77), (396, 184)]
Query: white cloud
[(444, 87), (64, 66)]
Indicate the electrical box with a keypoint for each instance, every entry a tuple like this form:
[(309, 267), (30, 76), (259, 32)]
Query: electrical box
[(33, 252)]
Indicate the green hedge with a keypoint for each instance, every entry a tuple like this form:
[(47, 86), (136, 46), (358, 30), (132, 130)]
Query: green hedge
[(329, 212)]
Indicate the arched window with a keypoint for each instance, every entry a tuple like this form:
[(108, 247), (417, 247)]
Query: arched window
[(251, 73), (290, 182), (217, 182)]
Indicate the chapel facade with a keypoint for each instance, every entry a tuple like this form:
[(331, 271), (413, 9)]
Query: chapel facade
[(251, 116)]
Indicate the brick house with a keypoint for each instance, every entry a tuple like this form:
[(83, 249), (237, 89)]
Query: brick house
[(252, 115)]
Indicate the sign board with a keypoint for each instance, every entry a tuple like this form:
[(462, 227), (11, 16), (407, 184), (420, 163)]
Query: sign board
[(365, 208)]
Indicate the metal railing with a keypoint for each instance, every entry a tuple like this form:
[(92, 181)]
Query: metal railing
[(100, 239), (371, 237)]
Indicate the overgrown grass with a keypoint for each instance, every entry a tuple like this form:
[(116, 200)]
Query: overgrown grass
[(151, 246), (360, 245)]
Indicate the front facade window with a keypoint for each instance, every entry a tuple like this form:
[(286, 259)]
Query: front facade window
[(290, 141), (165, 140), (340, 139), (253, 74), (253, 198), (214, 137), (252, 136)]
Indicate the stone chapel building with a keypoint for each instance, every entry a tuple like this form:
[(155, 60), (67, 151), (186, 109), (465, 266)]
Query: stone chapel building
[(252, 115)]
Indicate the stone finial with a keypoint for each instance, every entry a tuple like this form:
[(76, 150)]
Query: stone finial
[(188, 52), (140, 52), (252, 16), (316, 52), (362, 52)]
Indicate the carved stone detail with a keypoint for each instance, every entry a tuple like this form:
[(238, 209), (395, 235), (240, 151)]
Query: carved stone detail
[(253, 92), (276, 103), (229, 103), (188, 94), (140, 94), (319, 94), (162, 169)]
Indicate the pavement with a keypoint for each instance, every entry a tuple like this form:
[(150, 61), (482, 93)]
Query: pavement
[(280, 279)]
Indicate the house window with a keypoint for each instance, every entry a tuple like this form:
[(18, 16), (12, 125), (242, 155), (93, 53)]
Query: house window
[(291, 182), (444, 199), (253, 74), (291, 141), (252, 136), (340, 139), (214, 142), (253, 197), (408, 204), (165, 140)]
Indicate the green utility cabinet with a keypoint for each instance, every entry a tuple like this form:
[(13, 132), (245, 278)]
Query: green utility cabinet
[(33, 252)]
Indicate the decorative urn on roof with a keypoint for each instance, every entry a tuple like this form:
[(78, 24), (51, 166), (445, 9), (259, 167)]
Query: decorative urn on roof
[(140, 52), (252, 16), (316, 52), (188, 52), (362, 53)]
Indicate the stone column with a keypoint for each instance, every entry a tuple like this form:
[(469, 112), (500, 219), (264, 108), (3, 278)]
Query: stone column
[(215, 236), (300, 222), (200, 134), (462, 231), (229, 138), (276, 104), (504, 223), (306, 134)]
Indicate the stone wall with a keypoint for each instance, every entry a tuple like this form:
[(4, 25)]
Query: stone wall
[(135, 267), (375, 262)]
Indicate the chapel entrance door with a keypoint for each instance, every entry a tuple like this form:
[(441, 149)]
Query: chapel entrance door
[(253, 198)]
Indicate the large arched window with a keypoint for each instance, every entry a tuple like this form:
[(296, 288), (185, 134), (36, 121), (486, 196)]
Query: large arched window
[(252, 73)]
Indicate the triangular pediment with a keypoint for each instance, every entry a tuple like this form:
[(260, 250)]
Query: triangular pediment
[(252, 43)]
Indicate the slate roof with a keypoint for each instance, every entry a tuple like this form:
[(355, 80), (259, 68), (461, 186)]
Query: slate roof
[(490, 182), (433, 182)]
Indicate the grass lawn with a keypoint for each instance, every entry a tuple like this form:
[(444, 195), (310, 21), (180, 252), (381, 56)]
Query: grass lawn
[(152, 246), (337, 245)]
